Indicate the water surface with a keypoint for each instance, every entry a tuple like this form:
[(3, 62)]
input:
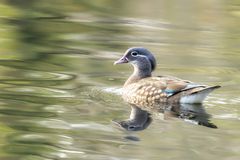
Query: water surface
[(60, 91)]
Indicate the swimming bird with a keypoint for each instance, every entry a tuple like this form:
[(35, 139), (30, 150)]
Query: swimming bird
[(141, 88)]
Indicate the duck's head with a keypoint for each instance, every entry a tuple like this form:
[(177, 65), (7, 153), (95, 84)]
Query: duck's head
[(139, 57)]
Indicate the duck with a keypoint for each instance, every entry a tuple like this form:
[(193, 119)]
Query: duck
[(141, 88)]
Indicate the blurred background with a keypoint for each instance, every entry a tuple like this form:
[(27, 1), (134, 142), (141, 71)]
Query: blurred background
[(58, 85)]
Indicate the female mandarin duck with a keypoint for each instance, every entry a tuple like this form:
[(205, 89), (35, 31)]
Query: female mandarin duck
[(143, 89)]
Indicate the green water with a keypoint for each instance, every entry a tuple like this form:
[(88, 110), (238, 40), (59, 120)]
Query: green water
[(59, 90)]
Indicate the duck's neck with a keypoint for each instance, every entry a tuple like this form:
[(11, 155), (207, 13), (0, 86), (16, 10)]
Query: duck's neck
[(140, 72)]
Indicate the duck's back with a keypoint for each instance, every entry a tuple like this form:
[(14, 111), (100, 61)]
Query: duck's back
[(162, 89)]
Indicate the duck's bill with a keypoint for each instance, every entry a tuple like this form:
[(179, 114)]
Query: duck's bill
[(121, 60)]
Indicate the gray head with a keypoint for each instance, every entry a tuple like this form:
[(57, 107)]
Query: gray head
[(139, 57)]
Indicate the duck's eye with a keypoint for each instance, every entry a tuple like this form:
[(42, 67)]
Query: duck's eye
[(134, 53)]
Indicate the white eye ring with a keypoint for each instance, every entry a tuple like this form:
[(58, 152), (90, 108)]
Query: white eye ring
[(134, 53)]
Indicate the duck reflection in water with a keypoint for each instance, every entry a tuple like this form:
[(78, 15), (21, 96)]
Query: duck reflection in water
[(140, 117)]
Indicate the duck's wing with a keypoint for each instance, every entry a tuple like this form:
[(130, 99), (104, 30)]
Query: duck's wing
[(165, 89), (175, 85), (184, 91)]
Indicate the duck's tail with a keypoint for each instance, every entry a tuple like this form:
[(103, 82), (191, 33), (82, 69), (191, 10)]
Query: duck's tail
[(196, 95)]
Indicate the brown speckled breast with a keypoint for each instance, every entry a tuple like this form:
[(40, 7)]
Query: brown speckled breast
[(148, 91)]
